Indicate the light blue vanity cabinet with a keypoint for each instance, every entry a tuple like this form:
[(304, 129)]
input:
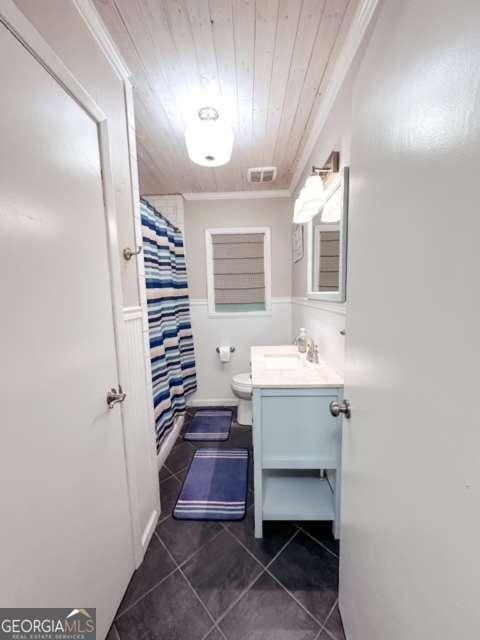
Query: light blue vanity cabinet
[(294, 438)]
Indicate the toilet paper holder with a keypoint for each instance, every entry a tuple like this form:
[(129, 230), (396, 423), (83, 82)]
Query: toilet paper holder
[(232, 349)]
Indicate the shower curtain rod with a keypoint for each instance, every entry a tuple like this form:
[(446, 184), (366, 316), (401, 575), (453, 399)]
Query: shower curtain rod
[(159, 215)]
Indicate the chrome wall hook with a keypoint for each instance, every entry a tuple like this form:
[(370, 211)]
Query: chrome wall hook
[(128, 253), (232, 349)]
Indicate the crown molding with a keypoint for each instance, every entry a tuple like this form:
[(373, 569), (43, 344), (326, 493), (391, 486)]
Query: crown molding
[(237, 195), (352, 43), (99, 31)]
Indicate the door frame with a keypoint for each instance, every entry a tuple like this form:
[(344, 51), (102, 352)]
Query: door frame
[(14, 20)]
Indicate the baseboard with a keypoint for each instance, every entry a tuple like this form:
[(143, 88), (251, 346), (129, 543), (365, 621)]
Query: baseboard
[(213, 402), (148, 532), (169, 441)]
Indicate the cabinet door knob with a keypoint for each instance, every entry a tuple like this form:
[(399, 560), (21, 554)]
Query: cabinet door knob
[(337, 408)]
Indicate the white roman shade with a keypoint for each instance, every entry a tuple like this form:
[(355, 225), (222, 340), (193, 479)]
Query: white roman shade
[(238, 268), (328, 279)]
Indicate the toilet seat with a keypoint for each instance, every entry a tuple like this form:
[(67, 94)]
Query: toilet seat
[(242, 388), (242, 381)]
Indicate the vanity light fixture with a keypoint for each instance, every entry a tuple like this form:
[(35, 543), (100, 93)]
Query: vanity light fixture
[(312, 197), (209, 139)]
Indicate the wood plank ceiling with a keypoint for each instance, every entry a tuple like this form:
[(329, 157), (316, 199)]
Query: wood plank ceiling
[(263, 64)]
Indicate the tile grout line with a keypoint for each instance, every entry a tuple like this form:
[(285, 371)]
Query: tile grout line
[(240, 596), (116, 631), (265, 566), (262, 572), (184, 562), (331, 611), (324, 626), (318, 542), (214, 627), (192, 588), (324, 630), (267, 571), (192, 555), (134, 604), (314, 618), (180, 471), (203, 605), (279, 553), (172, 475), (264, 569)]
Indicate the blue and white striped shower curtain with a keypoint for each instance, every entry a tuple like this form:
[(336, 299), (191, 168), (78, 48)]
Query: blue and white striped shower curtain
[(171, 341)]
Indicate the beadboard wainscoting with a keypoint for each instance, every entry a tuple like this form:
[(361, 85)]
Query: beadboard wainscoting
[(242, 332), (323, 322), (139, 431)]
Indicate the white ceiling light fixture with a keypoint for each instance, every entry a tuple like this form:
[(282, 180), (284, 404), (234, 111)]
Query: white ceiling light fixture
[(312, 197), (209, 139)]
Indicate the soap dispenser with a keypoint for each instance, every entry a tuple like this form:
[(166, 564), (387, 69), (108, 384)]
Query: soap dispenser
[(301, 340)]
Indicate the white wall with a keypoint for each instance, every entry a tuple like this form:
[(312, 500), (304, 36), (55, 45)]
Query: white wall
[(323, 324), (213, 377), (324, 321), (275, 213)]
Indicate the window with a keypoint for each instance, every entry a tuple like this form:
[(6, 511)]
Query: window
[(238, 270)]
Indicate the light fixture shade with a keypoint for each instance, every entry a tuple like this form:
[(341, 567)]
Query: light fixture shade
[(310, 200), (297, 210), (302, 217), (314, 192), (332, 211), (314, 186), (209, 142), (303, 213)]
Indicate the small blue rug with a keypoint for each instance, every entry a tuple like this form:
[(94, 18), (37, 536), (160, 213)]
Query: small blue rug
[(215, 487), (209, 424)]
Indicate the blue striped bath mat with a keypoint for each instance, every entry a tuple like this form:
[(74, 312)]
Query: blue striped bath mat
[(209, 424), (215, 487)]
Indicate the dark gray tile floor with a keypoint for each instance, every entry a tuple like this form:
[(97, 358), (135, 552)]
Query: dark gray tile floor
[(214, 581)]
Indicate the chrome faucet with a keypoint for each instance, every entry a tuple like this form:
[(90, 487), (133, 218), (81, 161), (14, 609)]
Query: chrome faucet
[(312, 351)]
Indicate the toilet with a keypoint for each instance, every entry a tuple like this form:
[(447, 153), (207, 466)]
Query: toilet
[(242, 388)]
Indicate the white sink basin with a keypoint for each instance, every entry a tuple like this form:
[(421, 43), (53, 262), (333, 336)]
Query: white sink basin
[(283, 361), (282, 367)]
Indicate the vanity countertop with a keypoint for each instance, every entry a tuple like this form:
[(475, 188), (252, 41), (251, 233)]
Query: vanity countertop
[(283, 367)]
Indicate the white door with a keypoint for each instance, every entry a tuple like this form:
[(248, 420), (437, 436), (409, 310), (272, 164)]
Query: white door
[(410, 557), (65, 539)]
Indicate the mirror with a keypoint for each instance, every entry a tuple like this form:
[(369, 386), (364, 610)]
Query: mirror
[(327, 245)]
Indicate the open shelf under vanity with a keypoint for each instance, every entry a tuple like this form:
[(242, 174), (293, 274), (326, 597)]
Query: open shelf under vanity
[(293, 494)]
